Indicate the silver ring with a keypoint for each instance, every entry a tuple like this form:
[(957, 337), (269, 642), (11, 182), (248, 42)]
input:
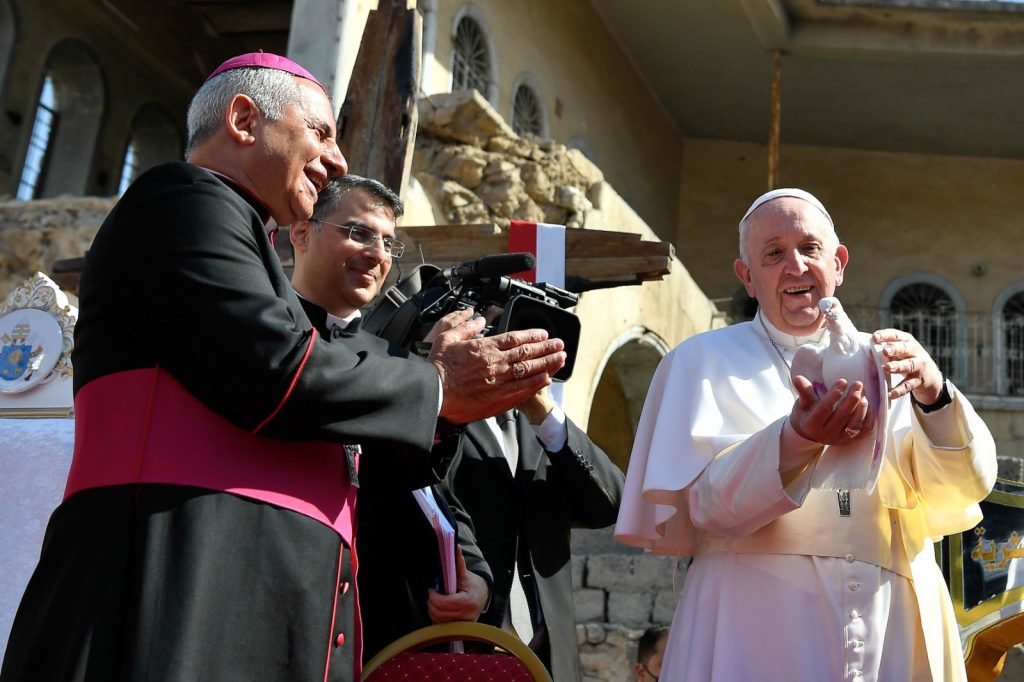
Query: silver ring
[(851, 433), (519, 370)]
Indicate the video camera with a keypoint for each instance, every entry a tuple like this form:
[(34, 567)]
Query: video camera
[(408, 310)]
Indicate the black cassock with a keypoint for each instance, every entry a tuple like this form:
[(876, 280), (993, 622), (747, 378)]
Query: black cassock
[(183, 302), (399, 559)]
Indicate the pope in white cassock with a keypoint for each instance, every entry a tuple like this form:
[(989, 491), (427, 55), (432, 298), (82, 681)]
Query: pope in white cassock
[(795, 577)]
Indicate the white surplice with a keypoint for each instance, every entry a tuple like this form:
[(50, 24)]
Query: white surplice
[(791, 606)]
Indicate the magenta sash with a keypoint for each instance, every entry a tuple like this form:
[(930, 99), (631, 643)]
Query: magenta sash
[(142, 426)]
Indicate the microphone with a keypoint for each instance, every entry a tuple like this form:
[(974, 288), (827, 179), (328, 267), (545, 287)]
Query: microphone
[(486, 267)]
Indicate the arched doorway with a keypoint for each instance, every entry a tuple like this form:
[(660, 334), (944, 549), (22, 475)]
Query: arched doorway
[(614, 415)]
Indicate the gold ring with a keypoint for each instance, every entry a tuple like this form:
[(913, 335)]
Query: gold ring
[(852, 433), (519, 370)]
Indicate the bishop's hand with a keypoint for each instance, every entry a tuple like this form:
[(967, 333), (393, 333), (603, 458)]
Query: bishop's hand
[(483, 377)]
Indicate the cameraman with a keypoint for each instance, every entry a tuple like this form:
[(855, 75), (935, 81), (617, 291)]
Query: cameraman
[(527, 478), (342, 255)]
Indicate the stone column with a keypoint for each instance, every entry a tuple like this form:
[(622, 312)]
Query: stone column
[(324, 38)]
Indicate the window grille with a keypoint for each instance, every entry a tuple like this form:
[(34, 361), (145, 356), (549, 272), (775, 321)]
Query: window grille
[(527, 116), (472, 64), (34, 171), (1013, 337), (928, 312)]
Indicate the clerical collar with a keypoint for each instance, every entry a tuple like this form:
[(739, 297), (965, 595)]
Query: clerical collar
[(342, 322), (269, 224), (787, 341), (329, 321)]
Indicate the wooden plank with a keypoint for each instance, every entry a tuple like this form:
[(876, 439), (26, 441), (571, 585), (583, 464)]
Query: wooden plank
[(597, 255), (644, 267), (377, 124)]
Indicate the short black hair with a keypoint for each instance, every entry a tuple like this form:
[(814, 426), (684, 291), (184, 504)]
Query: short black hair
[(648, 643), (331, 195)]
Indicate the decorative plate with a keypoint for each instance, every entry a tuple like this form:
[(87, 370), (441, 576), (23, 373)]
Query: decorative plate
[(31, 342)]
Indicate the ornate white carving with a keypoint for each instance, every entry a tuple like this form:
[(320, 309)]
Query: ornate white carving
[(42, 293)]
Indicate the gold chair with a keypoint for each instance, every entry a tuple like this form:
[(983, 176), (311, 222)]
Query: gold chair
[(511, 661)]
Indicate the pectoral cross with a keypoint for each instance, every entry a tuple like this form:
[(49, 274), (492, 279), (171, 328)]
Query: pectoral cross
[(844, 502)]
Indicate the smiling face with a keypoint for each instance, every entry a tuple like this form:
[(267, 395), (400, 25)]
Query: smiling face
[(334, 271), (793, 261), (294, 157)]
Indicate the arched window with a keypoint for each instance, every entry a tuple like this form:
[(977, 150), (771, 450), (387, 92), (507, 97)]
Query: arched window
[(33, 171), (527, 112), (6, 39), (473, 60), (154, 139), (928, 308), (129, 167), (1008, 317), (66, 125)]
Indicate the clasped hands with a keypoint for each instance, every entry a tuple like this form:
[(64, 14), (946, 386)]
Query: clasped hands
[(842, 414)]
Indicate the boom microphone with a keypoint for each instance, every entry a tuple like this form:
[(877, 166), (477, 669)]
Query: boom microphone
[(498, 265)]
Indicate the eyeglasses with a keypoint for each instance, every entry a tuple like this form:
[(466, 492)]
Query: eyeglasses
[(367, 237)]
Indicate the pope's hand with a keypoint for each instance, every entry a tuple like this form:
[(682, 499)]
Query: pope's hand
[(838, 417), (907, 357)]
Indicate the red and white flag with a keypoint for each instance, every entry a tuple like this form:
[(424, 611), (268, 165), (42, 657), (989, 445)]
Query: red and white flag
[(547, 243)]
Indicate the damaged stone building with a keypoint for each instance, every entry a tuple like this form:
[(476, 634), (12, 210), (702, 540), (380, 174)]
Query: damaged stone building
[(649, 118)]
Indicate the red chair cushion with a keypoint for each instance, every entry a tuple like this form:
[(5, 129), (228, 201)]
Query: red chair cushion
[(424, 667)]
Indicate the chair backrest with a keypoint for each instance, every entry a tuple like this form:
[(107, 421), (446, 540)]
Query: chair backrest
[(512, 661)]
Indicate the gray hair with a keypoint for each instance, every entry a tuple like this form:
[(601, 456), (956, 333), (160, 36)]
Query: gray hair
[(791, 192), (270, 89), (337, 188)]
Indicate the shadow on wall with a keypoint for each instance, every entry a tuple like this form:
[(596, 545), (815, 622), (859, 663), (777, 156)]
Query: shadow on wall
[(619, 398)]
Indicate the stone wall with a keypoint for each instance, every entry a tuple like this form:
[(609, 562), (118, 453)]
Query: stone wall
[(34, 234), (476, 169), (617, 597)]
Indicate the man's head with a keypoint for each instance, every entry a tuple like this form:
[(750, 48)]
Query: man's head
[(650, 651), (266, 123), (790, 258), (333, 267)]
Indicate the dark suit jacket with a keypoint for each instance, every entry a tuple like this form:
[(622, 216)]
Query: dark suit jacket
[(553, 492), (398, 553)]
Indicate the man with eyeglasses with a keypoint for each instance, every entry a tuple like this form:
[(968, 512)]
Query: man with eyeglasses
[(342, 256)]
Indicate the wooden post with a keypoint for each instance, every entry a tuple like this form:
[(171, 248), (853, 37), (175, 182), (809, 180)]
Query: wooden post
[(776, 118), (377, 124)]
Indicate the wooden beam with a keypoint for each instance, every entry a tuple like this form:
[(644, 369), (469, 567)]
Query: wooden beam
[(595, 255), (377, 124)]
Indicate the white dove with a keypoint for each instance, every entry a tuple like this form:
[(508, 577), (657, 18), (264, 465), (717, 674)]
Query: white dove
[(848, 355)]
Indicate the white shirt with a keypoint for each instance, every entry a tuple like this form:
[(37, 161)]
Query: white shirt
[(698, 471), (552, 432)]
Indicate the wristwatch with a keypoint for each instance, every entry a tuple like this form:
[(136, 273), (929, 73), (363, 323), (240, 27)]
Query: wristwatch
[(945, 398)]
